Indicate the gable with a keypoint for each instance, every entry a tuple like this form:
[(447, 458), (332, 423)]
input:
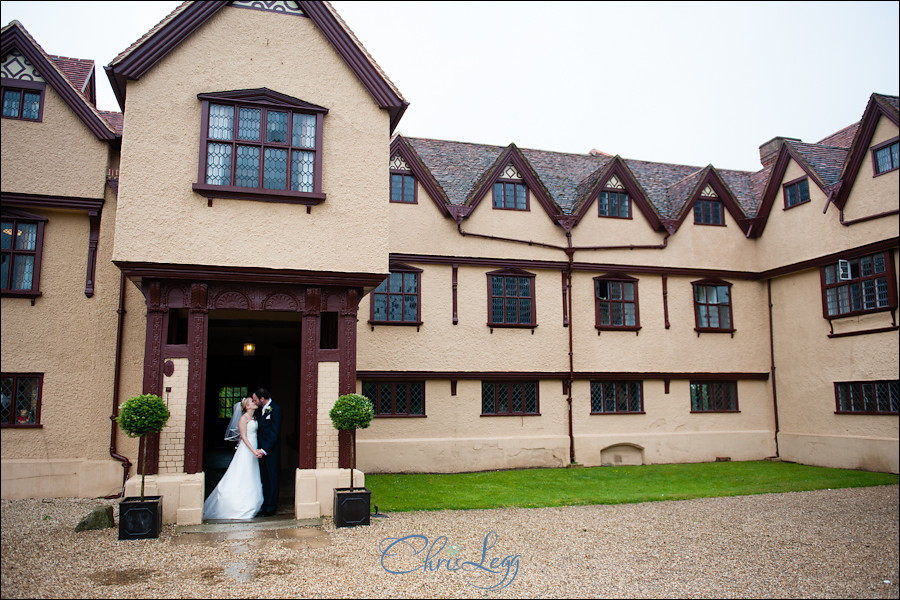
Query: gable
[(24, 60), (156, 44), (616, 174)]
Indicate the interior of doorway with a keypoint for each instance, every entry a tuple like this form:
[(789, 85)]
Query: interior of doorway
[(247, 351)]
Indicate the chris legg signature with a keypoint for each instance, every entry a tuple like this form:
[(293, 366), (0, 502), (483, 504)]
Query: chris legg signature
[(400, 556)]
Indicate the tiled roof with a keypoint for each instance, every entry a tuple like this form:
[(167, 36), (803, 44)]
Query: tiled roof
[(842, 138), (78, 70), (116, 120), (826, 161)]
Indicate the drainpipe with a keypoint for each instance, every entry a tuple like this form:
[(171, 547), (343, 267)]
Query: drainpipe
[(570, 253), (772, 365), (126, 464)]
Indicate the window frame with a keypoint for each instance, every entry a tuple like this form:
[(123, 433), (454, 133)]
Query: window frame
[(518, 274), (14, 217), (895, 141), (404, 271), (406, 177), (622, 279), (509, 384), (716, 283), (264, 103), (21, 86), (36, 423), (516, 183), (859, 387), (798, 185), (604, 195), (365, 388), (703, 201), (732, 384), (888, 275), (639, 386)]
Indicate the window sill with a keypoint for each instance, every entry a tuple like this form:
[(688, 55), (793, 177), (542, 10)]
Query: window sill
[(211, 192), (510, 414), (729, 331), (383, 416), (600, 328), (512, 326), (706, 412), (624, 412), (21, 294), (28, 425), (416, 324), (868, 412)]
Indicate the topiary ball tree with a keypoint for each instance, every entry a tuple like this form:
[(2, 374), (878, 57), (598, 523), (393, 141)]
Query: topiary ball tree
[(349, 413), (139, 416)]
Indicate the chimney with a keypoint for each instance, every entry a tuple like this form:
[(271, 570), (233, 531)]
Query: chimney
[(768, 152)]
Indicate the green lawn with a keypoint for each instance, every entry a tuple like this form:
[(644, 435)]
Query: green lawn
[(606, 485)]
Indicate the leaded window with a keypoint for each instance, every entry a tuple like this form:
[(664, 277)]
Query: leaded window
[(21, 399), (396, 398), (712, 306), (868, 397), (887, 157), (796, 192), (714, 396), (23, 103), (397, 299), (21, 241), (616, 303), (858, 285), (511, 298), (260, 145), (510, 195), (228, 397), (614, 204), (509, 398), (610, 397), (709, 212), (403, 188)]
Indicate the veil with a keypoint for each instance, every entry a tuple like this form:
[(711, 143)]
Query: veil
[(233, 434)]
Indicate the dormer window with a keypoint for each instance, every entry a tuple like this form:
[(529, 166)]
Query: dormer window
[(510, 192), (260, 145), (403, 184), (796, 192), (613, 200), (886, 157), (23, 100), (708, 209)]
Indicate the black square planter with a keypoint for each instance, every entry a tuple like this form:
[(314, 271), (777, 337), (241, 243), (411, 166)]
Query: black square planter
[(140, 519), (351, 506)]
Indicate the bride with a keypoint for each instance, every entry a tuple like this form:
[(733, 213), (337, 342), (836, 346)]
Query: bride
[(239, 493)]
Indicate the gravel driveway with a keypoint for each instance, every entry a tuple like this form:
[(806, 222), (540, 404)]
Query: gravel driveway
[(822, 544)]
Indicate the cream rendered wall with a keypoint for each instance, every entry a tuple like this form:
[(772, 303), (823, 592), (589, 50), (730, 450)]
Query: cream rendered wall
[(162, 220), (808, 365), (71, 340), (454, 437), (594, 230), (668, 432), (872, 194), (803, 232), (58, 156)]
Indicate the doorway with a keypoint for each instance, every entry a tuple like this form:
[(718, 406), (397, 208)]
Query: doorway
[(248, 350)]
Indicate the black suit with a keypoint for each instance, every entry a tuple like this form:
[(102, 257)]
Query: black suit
[(267, 436)]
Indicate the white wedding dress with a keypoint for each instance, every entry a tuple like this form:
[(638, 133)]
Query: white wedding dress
[(239, 493)]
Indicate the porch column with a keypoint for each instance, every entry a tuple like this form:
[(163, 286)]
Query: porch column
[(152, 384), (309, 376), (198, 329)]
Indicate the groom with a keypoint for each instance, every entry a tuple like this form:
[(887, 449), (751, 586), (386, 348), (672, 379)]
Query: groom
[(267, 440)]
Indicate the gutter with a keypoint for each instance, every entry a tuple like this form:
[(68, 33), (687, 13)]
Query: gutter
[(772, 365)]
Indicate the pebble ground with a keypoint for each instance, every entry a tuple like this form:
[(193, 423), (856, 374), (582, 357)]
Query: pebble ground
[(821, 544)]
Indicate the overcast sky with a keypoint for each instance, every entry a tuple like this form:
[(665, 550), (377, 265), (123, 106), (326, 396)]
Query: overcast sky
[(679, 82)]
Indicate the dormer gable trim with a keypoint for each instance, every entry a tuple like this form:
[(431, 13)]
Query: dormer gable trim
[(859, 149), (263, 96), (513, 156), (618, 169), (184, 21), (423, 176), (710, 180), (773, 188), (16, 37)]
